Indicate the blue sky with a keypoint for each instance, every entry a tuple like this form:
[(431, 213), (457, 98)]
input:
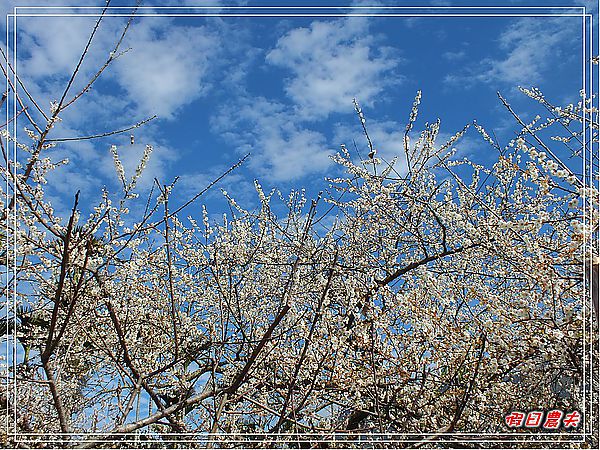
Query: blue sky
[(282, 89)]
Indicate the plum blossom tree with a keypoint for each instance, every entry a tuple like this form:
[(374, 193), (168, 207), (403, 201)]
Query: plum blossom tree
[(441, 294)]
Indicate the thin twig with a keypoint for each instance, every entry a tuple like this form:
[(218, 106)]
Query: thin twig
[(20, 82), (211, 184), (536, 137), (106, 134), (81, 58)]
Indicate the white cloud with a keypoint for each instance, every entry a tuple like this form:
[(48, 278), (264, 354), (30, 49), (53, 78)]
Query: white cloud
[(51, 46), (292, 155), (165, 70), (454, 56), (530, 48), (331, 63), (282, 150)]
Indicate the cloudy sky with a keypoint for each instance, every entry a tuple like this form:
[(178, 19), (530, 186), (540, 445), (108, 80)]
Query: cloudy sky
[(281, 88)]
